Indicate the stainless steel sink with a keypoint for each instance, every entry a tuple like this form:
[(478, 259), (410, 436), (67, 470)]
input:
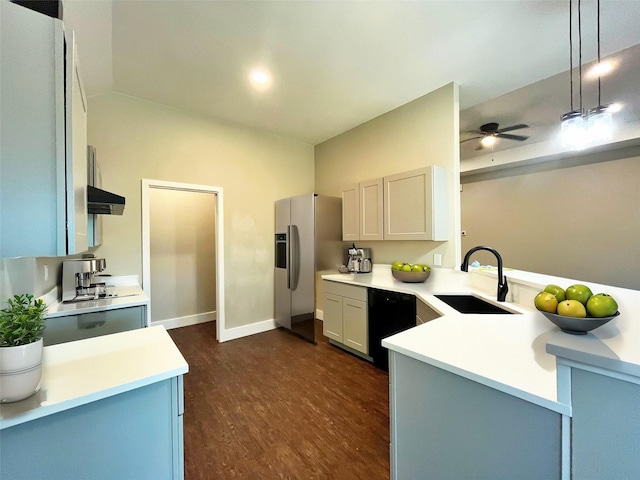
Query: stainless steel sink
[(471, 304)]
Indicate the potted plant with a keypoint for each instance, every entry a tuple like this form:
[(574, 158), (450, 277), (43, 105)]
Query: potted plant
[(21, 326)]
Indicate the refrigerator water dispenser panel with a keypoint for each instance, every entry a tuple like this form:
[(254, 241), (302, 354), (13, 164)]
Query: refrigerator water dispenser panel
[(281, 250)]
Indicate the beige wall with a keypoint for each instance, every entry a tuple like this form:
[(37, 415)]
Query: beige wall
[(421, 133), (581, 222), (137, 139), (182, 254)]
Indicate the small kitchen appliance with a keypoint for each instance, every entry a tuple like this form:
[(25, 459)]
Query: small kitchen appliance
[(78, 283), (359, 260)]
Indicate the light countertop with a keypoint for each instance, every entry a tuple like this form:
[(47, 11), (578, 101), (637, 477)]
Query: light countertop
[(506, 352), (129, 295), (77, 373)]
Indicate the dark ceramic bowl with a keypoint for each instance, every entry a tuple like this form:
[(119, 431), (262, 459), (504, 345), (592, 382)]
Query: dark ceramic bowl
[(410, 277), (577, 326)]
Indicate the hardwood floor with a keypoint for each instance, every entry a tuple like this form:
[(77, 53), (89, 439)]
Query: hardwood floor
[(272, 406)]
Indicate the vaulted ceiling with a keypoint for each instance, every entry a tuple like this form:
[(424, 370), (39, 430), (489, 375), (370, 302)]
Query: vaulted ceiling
[(335, 65)]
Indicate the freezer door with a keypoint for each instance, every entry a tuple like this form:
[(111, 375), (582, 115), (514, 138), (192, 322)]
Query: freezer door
[(282, 298)]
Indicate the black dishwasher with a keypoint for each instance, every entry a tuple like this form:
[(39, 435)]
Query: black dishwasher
[(389, 313)]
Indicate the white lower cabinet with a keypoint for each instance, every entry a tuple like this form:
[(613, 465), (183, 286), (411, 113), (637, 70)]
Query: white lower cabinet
[(345, 315)]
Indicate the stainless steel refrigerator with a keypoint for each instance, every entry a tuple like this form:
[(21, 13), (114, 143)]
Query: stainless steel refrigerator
[(308, 238)]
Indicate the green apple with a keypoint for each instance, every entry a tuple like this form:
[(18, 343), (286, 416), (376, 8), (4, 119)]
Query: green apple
[(579, 292), (601, 305), (397, 265), (557, 291), (572, 308), (417, 269), (546, 302), (406, 267)]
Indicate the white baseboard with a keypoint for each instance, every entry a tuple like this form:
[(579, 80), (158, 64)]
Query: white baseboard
[(186, 321), (246, 330), (319, 314)]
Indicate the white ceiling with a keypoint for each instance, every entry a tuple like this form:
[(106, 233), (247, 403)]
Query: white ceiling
[(335, 64)]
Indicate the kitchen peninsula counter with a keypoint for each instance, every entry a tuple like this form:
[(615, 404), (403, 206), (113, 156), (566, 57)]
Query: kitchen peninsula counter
[(510, 396), (114, 396), (507, 352)]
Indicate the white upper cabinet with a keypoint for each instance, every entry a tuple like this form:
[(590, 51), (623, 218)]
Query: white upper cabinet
[(407, 206), (43, 139), (371, 205), (416, 205), (350, 213)]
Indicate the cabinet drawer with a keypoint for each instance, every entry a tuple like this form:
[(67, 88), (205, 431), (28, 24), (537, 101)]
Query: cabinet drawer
[(87, 325), (424, 313), (344, 290)]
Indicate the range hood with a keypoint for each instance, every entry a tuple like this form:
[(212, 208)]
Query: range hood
[(104, 203)]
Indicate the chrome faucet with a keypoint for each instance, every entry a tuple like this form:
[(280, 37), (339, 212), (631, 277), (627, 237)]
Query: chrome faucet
[(503, 288)]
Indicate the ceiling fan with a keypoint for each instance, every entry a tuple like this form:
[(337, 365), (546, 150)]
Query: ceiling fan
[(489, 132)]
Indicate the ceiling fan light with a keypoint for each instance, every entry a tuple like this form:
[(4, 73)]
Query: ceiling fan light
[(574, 130), (488, 140)]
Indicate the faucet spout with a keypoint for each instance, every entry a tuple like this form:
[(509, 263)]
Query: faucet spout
[(503, 288)]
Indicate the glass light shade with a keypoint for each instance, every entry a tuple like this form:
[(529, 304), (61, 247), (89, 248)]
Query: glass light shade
[(488, 140), (599, 125), (574, 131)]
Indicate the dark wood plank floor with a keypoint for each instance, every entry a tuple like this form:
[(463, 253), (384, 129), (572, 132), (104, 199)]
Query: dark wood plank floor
[(273, 406)]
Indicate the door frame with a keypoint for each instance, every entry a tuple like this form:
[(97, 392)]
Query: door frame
[(147, 185)]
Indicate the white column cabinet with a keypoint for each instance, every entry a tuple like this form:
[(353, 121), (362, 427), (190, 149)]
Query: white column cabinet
[(411, 205), (345, 315), (43, 140)]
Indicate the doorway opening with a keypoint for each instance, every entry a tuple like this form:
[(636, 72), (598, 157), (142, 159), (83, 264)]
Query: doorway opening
[(182, 242)]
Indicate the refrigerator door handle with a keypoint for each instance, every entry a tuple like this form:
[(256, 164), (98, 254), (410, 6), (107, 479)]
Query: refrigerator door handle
[(294, 257)]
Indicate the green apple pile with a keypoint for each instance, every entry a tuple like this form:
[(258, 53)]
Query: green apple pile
[(410, 267), (576, 301)]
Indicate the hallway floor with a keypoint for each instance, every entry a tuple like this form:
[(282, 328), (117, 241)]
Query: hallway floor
[(271, 406)]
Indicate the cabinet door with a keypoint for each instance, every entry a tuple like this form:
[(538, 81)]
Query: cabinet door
[(416, 205), (76, 159), (332, 317), (354, 324), (371, 206), (350, 213)]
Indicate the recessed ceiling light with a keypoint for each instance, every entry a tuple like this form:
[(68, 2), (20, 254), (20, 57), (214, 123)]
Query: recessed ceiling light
[(260, 78)]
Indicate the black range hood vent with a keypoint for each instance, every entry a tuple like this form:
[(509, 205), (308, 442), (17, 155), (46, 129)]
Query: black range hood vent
[(101, 202)]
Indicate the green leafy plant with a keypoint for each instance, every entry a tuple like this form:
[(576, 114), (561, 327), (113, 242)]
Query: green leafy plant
[(23, 321)]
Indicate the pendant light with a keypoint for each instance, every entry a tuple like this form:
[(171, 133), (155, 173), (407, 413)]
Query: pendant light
[(574, 126), (599, 122), (580, 129)]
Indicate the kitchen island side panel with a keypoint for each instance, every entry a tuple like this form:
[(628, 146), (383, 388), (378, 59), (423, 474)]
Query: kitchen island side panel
[(130, 435), (449, 427), (605, 436)]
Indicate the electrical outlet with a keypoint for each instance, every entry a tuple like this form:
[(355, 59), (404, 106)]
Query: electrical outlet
[(437, 260)]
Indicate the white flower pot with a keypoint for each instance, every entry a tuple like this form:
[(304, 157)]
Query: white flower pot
[(20, 371)]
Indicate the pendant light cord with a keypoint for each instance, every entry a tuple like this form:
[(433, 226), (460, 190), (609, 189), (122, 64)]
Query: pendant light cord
[(599, 76), (570, 55), (580, 50)]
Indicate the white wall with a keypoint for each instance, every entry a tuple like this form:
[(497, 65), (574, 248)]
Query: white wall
[(578, 222), (421, 133), (137, 139)]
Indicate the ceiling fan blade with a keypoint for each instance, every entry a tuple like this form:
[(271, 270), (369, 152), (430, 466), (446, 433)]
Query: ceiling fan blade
[(513, 127), (520, 138), (472, 138)]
